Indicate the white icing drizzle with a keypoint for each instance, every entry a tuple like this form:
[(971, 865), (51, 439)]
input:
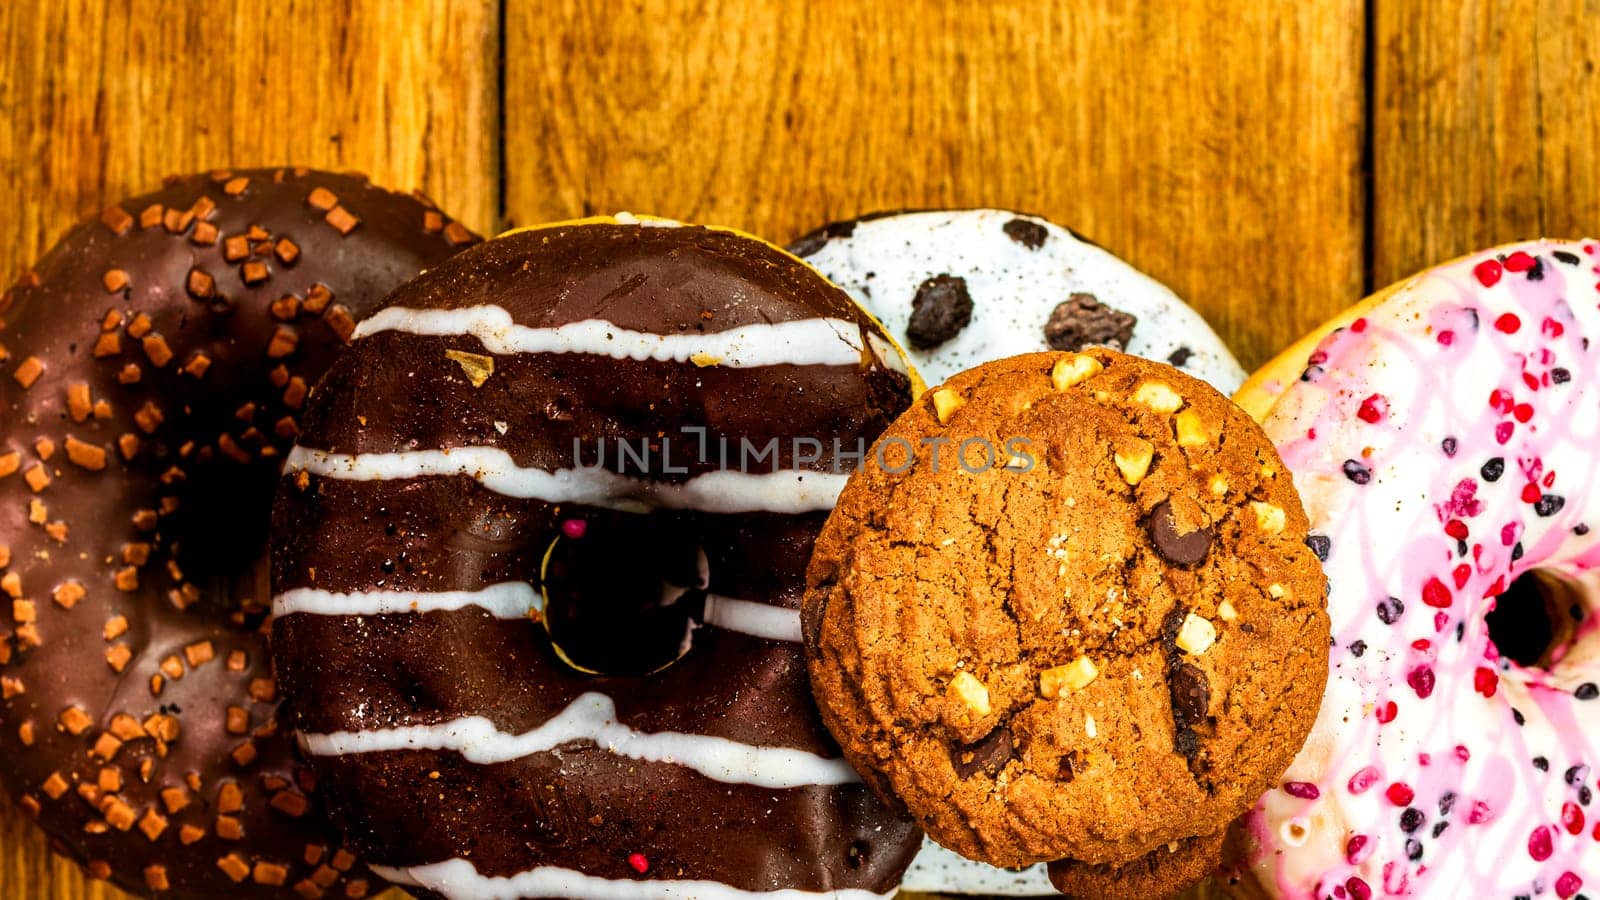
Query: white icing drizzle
[(774, 623), (593, 717), (783, 491), (803, 342), (507, 600), (458, 878), (517, 600)]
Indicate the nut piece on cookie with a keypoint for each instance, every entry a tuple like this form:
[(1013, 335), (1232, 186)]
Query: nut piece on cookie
[(1018, 660), (1074, 676), (1158, 396), (1191, 429), (1072, 369), (945, 403), (1269, 518), (1196, 635), (1133, 458), (971, 692)]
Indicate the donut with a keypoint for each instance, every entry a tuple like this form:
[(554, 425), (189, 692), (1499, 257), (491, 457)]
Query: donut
[(964, 287), (537, 567), (1443, 435), (155, 362)]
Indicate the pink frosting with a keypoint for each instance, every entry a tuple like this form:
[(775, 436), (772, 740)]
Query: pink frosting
[(1445, 444)]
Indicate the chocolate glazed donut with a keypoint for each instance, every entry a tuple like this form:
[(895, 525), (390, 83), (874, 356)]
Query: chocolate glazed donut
[(526, 664), (155, 364)]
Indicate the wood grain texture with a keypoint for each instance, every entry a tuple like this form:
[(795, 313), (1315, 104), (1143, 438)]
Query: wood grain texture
[(1485, 128), (102, 99), (1216, 146)]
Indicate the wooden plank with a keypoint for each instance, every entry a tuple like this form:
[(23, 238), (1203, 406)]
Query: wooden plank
[(1216, 145), (1484, 127), (102, 99)]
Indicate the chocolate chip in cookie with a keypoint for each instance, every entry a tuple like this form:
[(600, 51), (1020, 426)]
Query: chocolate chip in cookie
[(989, 754), (1081, 321), (941, 308), (1191, 694), (1183, 548)]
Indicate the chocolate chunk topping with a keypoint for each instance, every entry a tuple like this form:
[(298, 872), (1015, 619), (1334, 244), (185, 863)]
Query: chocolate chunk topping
[(1029, 234), (1191, 694), (1179, 549), (989, 754), (1081, 320), (940, 310), (1180, 356), (807, 244), (811, 242)]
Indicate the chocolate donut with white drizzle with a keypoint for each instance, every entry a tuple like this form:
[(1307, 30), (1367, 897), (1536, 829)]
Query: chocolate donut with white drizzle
[(527, 670)]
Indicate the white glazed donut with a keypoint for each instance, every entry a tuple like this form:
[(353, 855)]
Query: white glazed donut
[(1444, 439), (1015, 272)]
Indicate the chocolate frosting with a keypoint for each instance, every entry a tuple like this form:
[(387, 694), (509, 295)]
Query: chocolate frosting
[(578, 806), (155, 362)]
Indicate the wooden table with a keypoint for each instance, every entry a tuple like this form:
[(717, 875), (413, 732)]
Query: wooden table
[(1270, 161)]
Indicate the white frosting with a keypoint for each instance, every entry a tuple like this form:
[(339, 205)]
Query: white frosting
[(593, 717), (783, 491), (803, 342), (938, 870), (460, 880), (519, 600), (759, 619), (507, 600), (1014, 289)]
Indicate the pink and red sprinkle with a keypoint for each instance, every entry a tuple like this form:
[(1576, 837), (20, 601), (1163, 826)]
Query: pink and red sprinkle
[(638, 861), (1353, 848), (1485, 681), (1539, 846), (1305, 790), (1363, 779), (1568, 884), (1400, 794), (1488, 272), (576, 528), (1421, 681), (1386, 712), (1373, 409), (1572, 818), (1508, 323), (1435, 594)]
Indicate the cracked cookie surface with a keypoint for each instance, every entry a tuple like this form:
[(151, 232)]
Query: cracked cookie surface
[(1067, 611)]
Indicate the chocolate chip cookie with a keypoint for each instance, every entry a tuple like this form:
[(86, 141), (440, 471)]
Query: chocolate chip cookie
[(1067, 611)]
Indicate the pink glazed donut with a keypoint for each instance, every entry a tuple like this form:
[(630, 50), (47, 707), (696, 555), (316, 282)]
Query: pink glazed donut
[(1444, 436)]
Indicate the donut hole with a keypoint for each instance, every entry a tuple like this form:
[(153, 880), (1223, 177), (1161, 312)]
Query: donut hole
[(1535, 619), (219, 530), (623, 593)]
